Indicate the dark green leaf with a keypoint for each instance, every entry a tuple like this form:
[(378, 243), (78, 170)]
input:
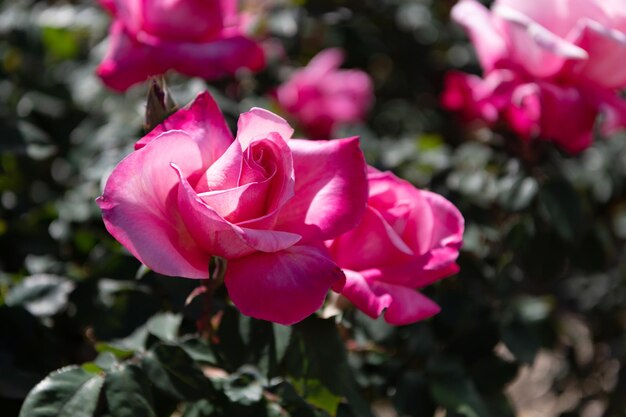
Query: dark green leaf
[(127, 391), (451, 388), (41, 295), (199, 350), (68, 392), (244, 386), (173, 371), (562, 208)]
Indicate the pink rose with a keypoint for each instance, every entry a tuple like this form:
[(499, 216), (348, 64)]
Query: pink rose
[(194, 37), (550, 67), (262, 201), (321, 96), (407, 239)]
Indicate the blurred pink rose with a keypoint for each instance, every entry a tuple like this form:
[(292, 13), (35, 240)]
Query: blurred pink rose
[(550, 67), (407, 239), (321, 96), (264, 202), (194, 37)]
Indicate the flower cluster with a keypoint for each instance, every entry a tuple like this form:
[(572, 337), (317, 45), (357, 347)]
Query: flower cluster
[(194, 37), (550, 67), (287, 214), (321, 96)]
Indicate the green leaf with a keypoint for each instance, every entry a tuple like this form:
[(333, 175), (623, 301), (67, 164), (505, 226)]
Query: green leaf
[(127, 391), (60, 42), (245, 386), (293, 402), (516, 193), (174, 372), (318, 395), (41, 295), (561, 206), (165, 326), (119, 352), (451, 388), (319, 353), (68, 392), (199, 350), (202, 408)]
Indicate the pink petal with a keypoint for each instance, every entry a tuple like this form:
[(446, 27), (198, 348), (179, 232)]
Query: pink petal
[(128, 12), (561, 114), (126, 61), (407, 306), (129, 61), (449, 223), (404, 207), (219, 237), (607, 53), (240, 203), (488, 41), (283, 287), (541, 52), (213, 59), (330, 191), (258, 123), (224, 173), (418, 272), (182, 20), (139, 207), (203, 121), (325, 62), (364, 295), (372, 243)]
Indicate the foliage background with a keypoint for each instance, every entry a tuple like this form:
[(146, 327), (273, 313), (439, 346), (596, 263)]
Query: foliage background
[(532, 326)]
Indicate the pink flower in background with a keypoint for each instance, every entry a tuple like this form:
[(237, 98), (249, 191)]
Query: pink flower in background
[(407, 239), (262, 201), (550, 67), (321, 96), (194, 37)]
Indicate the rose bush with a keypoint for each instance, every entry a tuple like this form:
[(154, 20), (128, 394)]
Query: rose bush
[(321, 96), (407, 239), (263, 202), (194, 37), (550, 67)]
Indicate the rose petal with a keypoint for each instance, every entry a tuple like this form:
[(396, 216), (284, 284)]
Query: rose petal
[(330, 191), (363, 295), (561, 114), (283, 287), (129, 61), (607, 52), (139, 207), (219, 237), (203, 121), (258, 123), (325, 62), (372, 243), (407, 306), (126, 61), (541, 52), (488, 41), (200, 19)]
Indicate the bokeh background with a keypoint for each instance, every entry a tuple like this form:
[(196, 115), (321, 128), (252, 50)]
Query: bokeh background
[(533, 325)]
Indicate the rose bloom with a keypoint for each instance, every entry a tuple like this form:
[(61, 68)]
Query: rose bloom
[(321, 96), (262, 201), (407, 239), (194, 37), (550, 67)]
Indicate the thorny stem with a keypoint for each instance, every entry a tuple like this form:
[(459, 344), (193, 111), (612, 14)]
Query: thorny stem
[(217, 270)]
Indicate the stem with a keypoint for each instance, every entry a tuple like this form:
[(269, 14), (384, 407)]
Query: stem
[(217, 270)]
